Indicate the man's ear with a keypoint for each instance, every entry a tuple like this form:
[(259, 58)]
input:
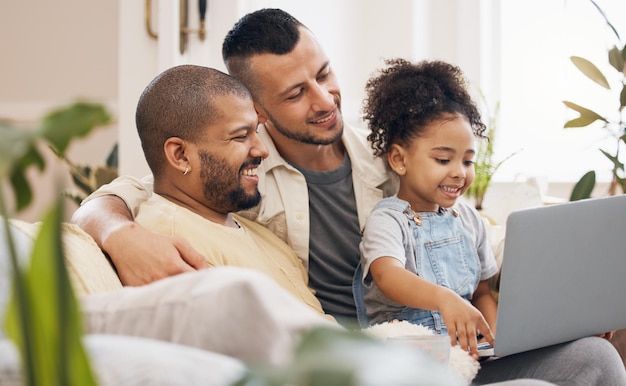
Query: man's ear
[(396, 159), (261, 114), (174, 149)]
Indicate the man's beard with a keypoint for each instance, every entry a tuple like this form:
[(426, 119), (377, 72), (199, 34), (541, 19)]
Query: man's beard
[(222, 187), (307, 138)]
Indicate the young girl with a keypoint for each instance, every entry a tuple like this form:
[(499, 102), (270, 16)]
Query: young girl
[(425, 257)]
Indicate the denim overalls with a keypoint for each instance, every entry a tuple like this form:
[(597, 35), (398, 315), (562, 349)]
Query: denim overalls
[(440, 251)]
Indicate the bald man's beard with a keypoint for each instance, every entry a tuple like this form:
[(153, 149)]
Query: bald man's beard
[(222, 185)]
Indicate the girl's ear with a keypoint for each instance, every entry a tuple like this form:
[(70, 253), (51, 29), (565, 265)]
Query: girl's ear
[(396, 159), (174, 149)]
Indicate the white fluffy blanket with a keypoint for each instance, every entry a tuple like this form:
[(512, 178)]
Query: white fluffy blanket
[(459, 362)]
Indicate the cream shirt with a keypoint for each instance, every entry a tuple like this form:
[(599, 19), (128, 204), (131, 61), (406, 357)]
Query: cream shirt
[(249, 246)]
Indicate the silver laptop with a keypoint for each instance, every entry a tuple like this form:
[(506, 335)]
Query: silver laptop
[(563, 274)]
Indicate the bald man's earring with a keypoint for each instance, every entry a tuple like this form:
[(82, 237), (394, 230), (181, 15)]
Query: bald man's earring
[(186, 170)]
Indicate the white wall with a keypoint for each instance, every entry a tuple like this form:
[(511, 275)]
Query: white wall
[(141, 58), (54, 52), (356, 34)]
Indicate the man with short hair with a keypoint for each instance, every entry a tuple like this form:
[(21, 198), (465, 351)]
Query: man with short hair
[(319, 183), (198, 131)]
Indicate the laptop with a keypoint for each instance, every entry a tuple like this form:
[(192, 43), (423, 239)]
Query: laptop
[(563, 274)]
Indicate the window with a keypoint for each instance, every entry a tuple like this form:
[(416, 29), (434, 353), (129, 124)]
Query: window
[(537, 39)]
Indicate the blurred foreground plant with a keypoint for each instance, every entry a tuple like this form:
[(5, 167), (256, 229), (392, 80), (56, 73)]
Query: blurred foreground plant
[(43, 317), (334, 357)]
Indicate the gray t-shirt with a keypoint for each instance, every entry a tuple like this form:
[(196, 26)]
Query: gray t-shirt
[(335, 237)]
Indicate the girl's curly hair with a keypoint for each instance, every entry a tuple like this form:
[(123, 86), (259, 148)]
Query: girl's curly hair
[(403, 98)]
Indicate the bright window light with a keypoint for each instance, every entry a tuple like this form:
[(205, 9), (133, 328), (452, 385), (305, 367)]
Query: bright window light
[(538, 37)]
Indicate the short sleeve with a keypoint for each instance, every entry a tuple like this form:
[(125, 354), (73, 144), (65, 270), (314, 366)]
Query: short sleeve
[(382, 236), (130, 189)]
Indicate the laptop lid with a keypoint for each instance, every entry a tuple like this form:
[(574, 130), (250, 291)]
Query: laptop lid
[(563, 274)]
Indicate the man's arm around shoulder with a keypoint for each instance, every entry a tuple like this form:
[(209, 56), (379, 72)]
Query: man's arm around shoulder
[(139, 255)]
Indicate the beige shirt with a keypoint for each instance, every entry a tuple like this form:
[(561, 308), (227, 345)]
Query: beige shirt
[(249, 246)]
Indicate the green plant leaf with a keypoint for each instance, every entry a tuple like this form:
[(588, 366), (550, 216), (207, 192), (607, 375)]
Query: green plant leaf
[(332, 357), (20, 296), (21, 188), (22, 192), (15, 143), (586, 118), (590, 70), (616, 162), (112, 161), (584, 187), (18, 150), (61, 126), (615, 59), (42, 317), (54, 323)]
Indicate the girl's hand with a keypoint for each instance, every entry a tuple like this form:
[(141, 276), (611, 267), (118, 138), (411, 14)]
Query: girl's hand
[(464, 322), (607, 335)]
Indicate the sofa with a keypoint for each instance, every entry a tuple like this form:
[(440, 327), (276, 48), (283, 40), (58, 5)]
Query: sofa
[(129, 360), (116, 360)]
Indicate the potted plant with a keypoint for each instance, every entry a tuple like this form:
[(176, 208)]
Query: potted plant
[(89, 178), (616, 126), (484, 164)]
